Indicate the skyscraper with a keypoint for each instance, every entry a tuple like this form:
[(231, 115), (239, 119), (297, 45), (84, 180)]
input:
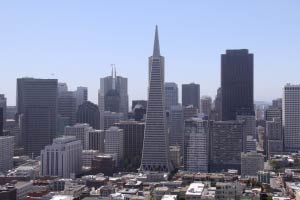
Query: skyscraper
[(291, 117), (66, 107), (176, 126), (37, 102), (3, 105), (155, 155), (206, 105), (196, 143), (113, 94), (191, 95), (81, 132), (236, 82), (81, 95), (226, 145), (6, 153), (133, 142), (171, 94), (114, 142), (89, 113), (1, 121)]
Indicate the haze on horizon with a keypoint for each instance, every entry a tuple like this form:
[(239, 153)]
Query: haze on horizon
[(77, 41)]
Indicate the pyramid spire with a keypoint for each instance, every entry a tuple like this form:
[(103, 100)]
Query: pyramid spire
[(156, 49)]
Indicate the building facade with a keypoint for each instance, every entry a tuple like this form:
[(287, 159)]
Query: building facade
[(63, 158), (191, 95), (114, 143), (291, 117), (37, 103), (81, 132), (196, 145), (89, 113), (171, 94), (155, 155), (251, 163), (236, 82), (6, 153)]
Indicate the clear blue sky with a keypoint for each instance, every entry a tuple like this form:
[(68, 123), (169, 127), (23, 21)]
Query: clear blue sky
[(78, 40)]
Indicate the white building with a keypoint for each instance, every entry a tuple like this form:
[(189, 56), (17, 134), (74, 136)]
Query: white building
[(81, 132), (194, 191), (249, 130), (6, 153), (291, 117), (63, 158), (196, 139), (251, 163), (114, 142)]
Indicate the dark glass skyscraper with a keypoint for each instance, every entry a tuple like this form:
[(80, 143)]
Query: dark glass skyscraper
[(89, 113), (236, 82), (37, 101), (191, 95)]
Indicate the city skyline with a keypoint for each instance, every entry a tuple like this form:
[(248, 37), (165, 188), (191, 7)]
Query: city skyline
[(79, 43)]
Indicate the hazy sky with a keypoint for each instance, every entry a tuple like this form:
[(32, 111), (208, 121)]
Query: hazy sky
[(78, 40)]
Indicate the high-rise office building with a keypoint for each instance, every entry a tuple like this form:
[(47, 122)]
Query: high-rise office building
[(1, 121), (110, 118), (196, 145), (6, 153), (217, 106), (176, 126), (155, 155), (274, 137), (236, 82), (61, 88), (251, 163), (273, 112), (171, 94), (248, 117), (114, 143), (277, 103), (81, 95), (226, 145), (113, 94), (206, 105), (66, 107), (81, 132), (133, 142), (189, 112), (191, 95), (139, 112), (37, 102), (3, 105), (291, 117), (89, 113), (63, 158), (140, 102), (96, 140)]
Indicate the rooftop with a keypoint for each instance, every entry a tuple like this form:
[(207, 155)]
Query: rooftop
[(195, 189)]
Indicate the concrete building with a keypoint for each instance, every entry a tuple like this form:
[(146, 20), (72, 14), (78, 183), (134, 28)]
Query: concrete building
[(96, 140), (274, 137), (196, 145), (194, 191), (156, 142), (251, 163), (37, 103), (191, 95), (63, 158), (176, 126), (67, 106), (14, 130), (273, 112), (1, 121), (226, 145), (237, 91), (114, 143), (189, 112), (81, 95), (228, 190), (3, 105), (171, 94), (81, 132), (110, 118), (89, 113), (175, 156), (206, 105), (88, 156), (133, 142), (6, 153), (291, 117)]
